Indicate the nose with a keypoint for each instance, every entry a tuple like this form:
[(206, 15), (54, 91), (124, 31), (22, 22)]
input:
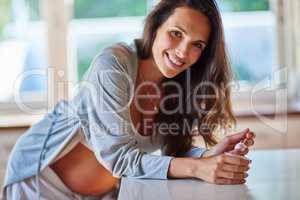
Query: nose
[(182, 51)]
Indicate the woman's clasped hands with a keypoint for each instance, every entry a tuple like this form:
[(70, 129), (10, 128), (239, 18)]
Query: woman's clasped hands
[(225, 163)]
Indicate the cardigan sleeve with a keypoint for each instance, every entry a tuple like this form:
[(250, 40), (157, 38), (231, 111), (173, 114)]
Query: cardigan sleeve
[(195, 152), (105, 98)]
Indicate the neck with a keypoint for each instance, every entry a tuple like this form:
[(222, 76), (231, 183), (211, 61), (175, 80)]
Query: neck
[(149, 71)]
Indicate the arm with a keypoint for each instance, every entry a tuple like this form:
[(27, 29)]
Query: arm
[(220, 169), (182, 168), (105, 104), (213, 165)]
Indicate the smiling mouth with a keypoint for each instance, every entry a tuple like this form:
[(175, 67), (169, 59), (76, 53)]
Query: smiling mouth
[(174, 62)]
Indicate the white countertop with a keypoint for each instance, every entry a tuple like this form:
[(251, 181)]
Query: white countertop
[(274, 174)]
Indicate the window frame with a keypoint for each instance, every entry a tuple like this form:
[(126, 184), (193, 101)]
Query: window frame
[(288, 63), (62, 58), (56, 15)]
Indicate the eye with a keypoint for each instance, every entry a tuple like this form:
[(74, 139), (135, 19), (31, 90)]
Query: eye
[(199, 46), (176, 34)]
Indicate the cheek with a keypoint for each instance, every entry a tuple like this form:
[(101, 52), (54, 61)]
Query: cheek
[(165, 42), (195, 55)]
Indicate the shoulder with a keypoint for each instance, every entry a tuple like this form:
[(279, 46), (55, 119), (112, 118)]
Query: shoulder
[(111, 69), (116, 57), (113, 66)]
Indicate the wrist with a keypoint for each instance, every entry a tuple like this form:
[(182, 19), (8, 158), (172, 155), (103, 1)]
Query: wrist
[(206, 154), (183, 167), (194, 168)]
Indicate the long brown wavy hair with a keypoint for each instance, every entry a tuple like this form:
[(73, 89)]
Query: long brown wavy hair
[(210, 75)]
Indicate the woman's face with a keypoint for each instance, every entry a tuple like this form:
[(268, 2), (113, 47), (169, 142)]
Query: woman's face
[(180, 41)]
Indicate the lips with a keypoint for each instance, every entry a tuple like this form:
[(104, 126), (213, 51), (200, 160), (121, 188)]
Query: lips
[(173, 61)]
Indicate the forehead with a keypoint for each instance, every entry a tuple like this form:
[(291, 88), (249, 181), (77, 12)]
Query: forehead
[(196, 24)]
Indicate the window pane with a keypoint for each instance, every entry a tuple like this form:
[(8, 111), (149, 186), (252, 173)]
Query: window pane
[(109, 8), (250, 38), (22, 51), (88, 46), (122, 19), (243, 5), (33, 7)]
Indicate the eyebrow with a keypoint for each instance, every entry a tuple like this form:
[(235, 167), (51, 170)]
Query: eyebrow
[(186, 34)]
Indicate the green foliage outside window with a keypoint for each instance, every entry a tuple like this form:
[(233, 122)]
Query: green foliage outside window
[(109, 8), (34, 9), (119, 8), (244, 5), (5, 15), (114, 8)]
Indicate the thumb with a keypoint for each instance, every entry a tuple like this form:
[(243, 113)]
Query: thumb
[(237, 137)]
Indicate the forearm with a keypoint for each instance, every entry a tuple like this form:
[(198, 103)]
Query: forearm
[(182, 168)]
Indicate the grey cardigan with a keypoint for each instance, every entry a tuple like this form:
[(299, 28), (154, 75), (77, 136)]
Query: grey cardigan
[(101, 109)]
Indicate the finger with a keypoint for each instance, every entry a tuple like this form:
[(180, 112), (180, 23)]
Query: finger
[(224, 181), (232, 175), (237, 137), (249, 142), (235, 159), (250, 135), (235, 151), (229, 147), (242, 152), (235, 168)]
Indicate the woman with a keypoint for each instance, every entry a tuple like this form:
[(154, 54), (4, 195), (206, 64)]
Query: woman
[(82, 148)]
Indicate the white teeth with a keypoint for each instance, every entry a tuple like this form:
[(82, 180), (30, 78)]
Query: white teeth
[(173, 60), (177, 62)]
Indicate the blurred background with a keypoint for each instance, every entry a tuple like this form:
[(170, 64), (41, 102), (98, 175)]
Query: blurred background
[(43, 42), (250, 28)]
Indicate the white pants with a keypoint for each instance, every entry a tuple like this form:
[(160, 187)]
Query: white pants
[(51, 188)]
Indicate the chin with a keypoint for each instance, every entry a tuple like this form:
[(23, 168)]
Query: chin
[(167, 71), (168, 74)]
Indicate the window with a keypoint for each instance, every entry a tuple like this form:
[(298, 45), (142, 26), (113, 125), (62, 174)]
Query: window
[(251, 39), (244, 5), (259, 40), (250, 31), (112, 21), (22, 54)]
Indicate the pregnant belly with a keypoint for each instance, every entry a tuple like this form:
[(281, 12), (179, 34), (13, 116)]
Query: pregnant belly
[(80, 171)]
